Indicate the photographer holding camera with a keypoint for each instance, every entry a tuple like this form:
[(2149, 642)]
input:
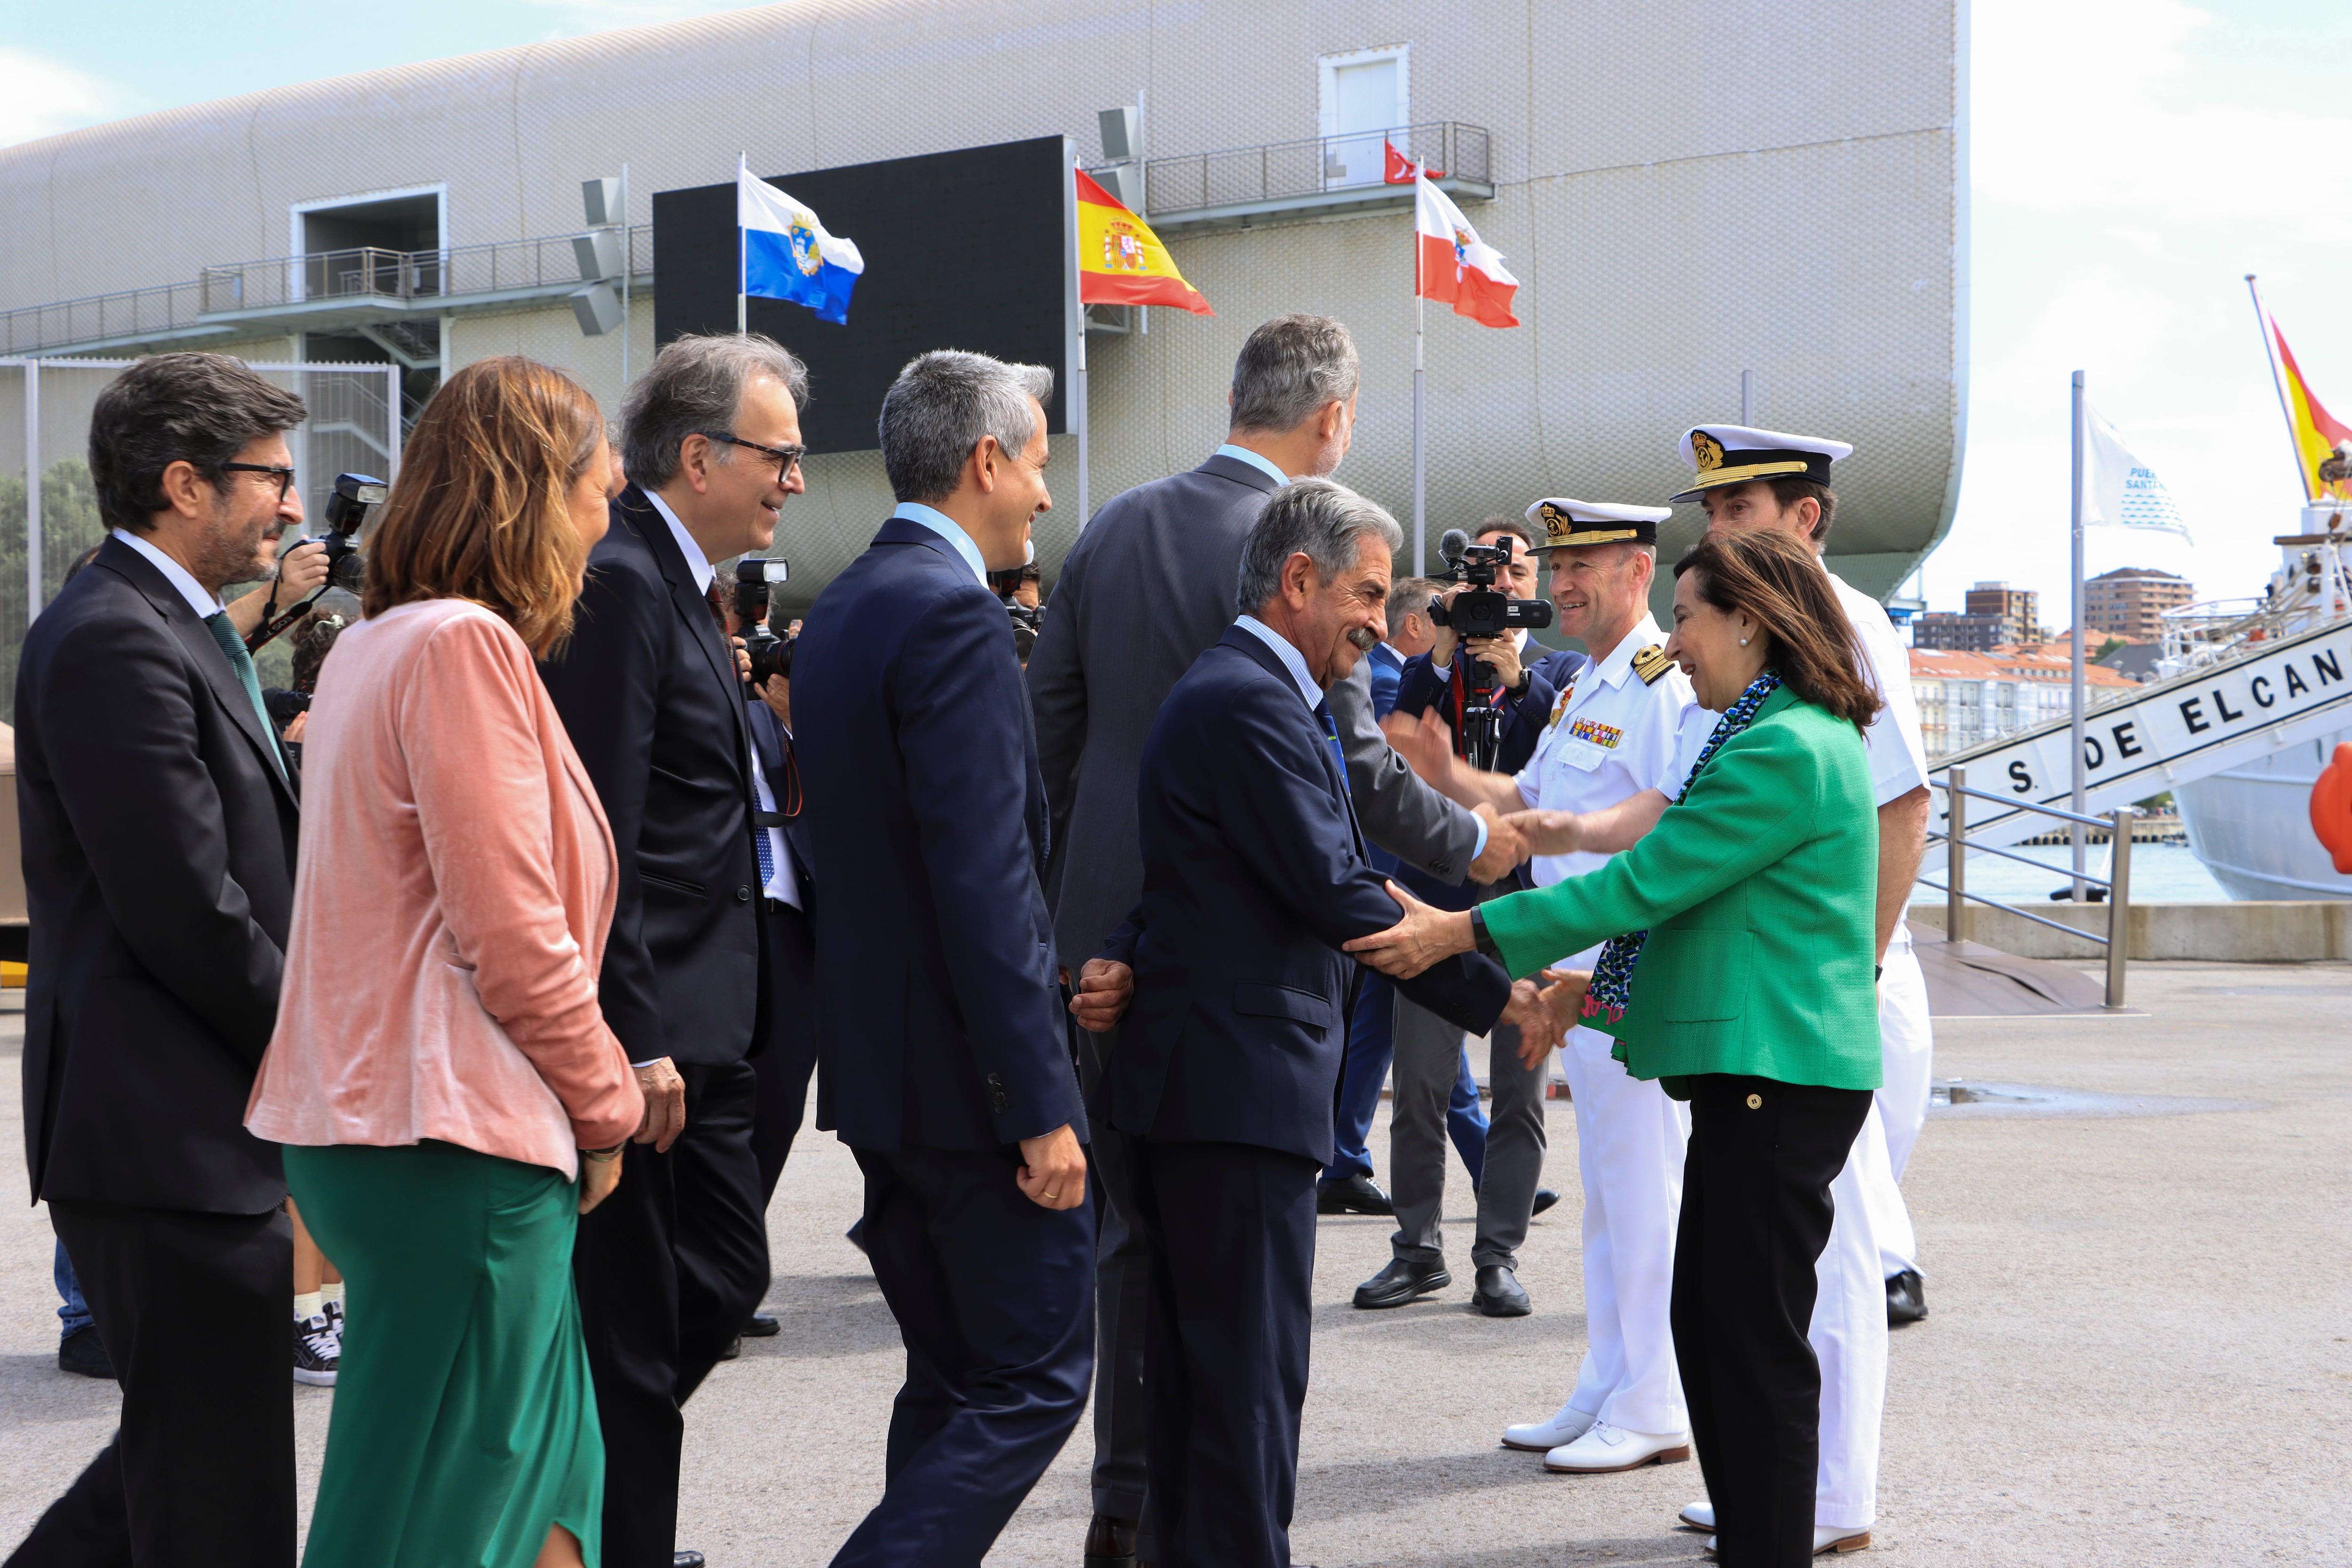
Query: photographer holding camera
[(1479, 680)]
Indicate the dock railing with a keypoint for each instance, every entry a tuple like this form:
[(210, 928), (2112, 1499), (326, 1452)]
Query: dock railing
[(1956, 896)]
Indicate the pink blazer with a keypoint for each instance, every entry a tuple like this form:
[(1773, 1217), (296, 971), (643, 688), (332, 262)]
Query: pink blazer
[(450, 905)]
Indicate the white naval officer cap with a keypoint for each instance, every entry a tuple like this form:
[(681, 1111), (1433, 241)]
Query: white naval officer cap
[(1734, 454), (1567, 522)]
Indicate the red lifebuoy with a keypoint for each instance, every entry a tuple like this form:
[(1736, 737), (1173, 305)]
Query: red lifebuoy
[(2331, 807)]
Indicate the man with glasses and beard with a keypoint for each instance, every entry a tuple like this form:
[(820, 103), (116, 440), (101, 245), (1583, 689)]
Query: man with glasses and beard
[(159, 824)]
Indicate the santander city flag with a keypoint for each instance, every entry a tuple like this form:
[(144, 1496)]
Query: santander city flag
[(1456, 266)]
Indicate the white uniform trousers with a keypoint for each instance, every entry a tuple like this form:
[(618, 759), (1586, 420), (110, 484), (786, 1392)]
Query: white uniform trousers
[(1630, 1149), (1907, 1047), (1849, 1338)]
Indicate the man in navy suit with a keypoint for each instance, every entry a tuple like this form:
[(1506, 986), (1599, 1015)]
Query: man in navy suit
[(942, 1048), (1229, 1058)]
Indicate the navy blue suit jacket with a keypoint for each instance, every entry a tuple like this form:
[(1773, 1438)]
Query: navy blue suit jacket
[(940, 1021), (1254, 874), (1423, 686)]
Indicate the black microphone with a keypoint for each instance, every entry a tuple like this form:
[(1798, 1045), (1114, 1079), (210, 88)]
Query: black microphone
[(1453, 544)]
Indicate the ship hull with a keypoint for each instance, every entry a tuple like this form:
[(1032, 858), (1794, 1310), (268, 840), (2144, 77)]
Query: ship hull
[(2251, 825)]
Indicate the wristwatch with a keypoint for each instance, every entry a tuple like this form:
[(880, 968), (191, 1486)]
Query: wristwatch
[(1481, 938)]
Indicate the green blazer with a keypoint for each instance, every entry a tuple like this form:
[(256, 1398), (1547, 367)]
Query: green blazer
[(1760, 893)]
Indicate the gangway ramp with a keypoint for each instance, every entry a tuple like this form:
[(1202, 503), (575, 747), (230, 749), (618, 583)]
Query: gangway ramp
[(2271, 696)]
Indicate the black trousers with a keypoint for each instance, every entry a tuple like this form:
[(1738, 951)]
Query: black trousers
[(1756, 1214), (194, 1312), (1231, 1231), (1122, 1305), (994, 1298), (784, 1068), (668, 1269)]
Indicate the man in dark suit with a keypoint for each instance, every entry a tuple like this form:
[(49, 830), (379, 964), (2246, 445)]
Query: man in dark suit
[(1253, 875), (790, 1060), (670, 1268), (158, 822), (942, 1048), (1148, 587), (1499, 673)]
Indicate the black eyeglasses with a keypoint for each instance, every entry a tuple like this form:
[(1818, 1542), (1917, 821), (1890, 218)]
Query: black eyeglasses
[(284, 476), (786, 457)]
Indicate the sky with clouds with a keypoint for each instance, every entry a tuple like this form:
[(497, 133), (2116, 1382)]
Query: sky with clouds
[(2131, 160)]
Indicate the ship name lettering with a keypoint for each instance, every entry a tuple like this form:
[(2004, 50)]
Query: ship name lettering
[(2192, 713), (2261, 684)]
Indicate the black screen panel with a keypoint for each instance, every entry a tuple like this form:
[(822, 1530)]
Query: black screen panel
[(962, 249)]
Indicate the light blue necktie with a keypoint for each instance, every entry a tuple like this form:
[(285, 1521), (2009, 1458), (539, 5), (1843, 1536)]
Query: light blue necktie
[(232, 646)]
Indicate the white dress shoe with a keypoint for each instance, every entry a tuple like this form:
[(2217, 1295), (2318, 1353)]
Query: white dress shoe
[(1699, 1515), (1605, 1449), (1541, 1437)]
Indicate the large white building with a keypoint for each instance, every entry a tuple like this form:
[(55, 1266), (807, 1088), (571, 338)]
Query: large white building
[(1686, 192)]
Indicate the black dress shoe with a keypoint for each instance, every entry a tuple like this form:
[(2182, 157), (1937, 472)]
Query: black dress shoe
[(1498, 1293), (1906, 1299), (734, 1348), (1400, 1283), (85, 1353), (1544, 1198), (686, 1560), (761, 1326), (1110, 1543), (857, 1234), (1354, 1195)]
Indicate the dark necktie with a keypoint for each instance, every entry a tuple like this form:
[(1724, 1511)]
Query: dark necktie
[(760, 837), (1338, 755), (232, 646)]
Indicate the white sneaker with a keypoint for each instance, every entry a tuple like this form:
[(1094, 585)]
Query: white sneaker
[(1605, 1449), (1699, 1515), (1541, 1436)]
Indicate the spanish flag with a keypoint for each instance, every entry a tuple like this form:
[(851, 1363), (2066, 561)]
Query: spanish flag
[(2316, 436), (1121, 262)]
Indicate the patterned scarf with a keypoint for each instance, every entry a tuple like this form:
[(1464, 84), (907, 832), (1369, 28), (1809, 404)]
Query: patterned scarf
[(1612, 976)]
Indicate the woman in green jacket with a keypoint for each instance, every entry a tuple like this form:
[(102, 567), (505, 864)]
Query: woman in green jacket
[(1741, 971)]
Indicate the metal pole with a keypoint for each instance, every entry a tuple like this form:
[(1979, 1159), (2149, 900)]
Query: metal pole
[(2119, 902), (1419, 437), (1078, 377), (628, 264), (2081, 635), (1748, 397), (32, 489), (1956, 864), (742, 265), (392, 421), (2303, 477)]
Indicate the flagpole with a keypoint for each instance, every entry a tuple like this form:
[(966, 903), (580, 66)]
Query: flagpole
[(2278, 385), (1078, 378), (626, 265), (2075, 592), (742, 264), (1420, 442)]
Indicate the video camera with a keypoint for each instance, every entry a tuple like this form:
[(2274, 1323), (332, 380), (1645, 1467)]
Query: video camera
[(771, 655), (1483, 613)]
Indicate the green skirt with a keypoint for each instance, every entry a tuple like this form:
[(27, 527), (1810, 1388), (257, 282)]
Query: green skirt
[(465, 1424)]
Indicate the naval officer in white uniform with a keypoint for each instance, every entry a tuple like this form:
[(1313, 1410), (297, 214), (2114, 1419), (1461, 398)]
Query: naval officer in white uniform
[(1749, 479), (1612, 734)]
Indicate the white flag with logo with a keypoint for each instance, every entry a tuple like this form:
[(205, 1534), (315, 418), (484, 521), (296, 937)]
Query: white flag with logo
[(2121, 491)]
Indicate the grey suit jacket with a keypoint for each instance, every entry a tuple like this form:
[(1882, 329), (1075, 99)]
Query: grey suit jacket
[(1145, 590)]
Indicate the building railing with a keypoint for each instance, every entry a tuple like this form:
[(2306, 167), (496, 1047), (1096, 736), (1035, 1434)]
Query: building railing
[(1312, 167), (240, 287), (1957, 913)]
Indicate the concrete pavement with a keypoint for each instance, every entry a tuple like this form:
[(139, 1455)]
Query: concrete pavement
[(2141, 1350)]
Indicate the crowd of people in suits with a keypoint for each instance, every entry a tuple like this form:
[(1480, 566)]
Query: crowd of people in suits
[(516, 986)]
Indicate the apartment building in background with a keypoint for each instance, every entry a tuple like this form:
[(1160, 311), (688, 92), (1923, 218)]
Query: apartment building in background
[(2018, 611), (2131, 600), (1967, 698), (1958, 633)]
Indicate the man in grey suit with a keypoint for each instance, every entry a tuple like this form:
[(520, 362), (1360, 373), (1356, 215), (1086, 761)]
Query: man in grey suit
[(1147, 587)]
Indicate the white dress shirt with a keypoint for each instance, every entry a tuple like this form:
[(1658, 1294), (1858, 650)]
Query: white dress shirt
[(201, 599), (1292, 659), (1611, 736), (785, 884)]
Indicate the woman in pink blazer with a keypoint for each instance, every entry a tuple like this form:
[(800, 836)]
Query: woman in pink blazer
[(449, 1097)]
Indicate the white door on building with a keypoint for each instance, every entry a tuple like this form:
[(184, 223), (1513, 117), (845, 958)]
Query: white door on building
[(1364, 96)]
